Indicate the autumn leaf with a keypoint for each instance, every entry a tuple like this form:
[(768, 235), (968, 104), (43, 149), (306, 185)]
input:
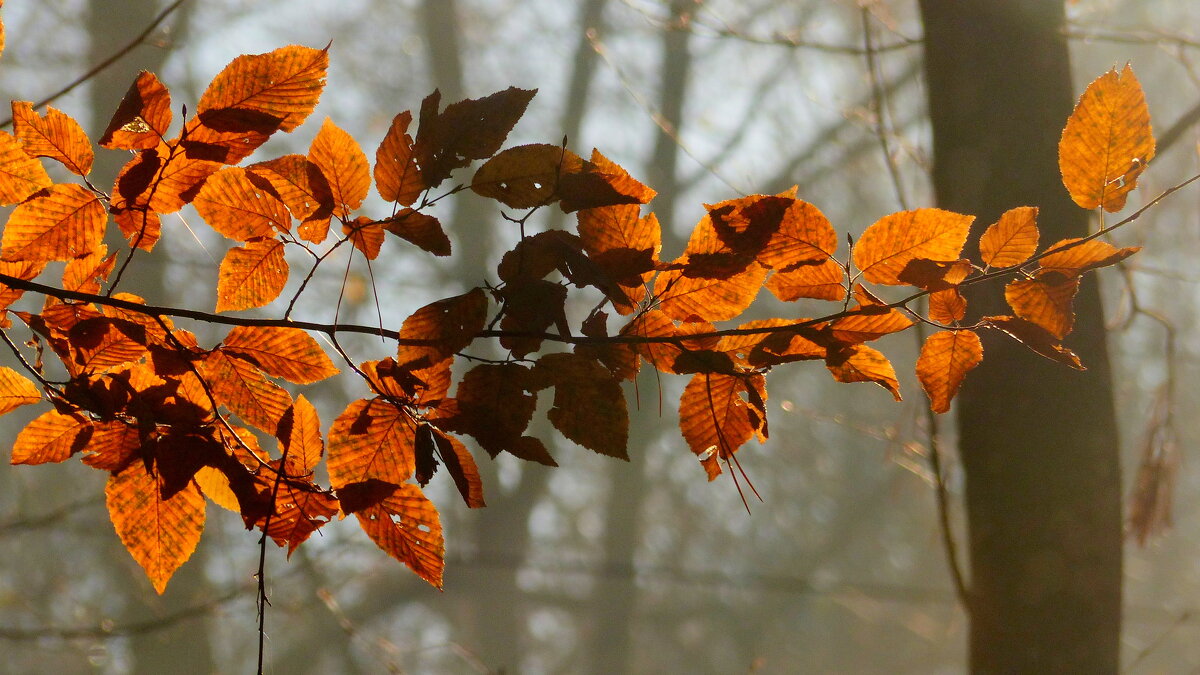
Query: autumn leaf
[(164, 179), (1035, 337), (495, 403), (947, 306), (600, 182), (396, 174), (464, 131), (445, 327), (143, 118), (366, 235), (1011, 240), (758, 349), (344, 166), (625, 247), (419, 229), (303, 188), (66, 221), (15, 391), (240, 386), (101, 343), (525, 176), (289, 353), (140, 226), (1107, 142), (87, 273), (20, 174), (887, 246), (1044, 300), (946, 358), (860, 363), (589, 406), (252, 275), (51, 437), (238, 209), (1073, 257), (24, 270), (716, 419), (406, 526), (112, 445), (825, 281), (160, 534), (300, 437), (459, 464), (56, 136), (371, 440), (687, 298)]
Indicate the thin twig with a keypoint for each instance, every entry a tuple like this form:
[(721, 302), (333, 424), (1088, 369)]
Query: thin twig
[(116, 56)]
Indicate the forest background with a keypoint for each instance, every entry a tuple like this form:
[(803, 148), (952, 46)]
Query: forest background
[(599, 565)]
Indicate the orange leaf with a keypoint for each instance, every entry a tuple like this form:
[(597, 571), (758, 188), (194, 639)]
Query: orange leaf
[(142, 119), (56, 136), (141, 226), (887, 246), (51, 437), (164, 179), (870, 322), (460, 465), (102, 343), (86, 274), (804, 237), (1082, 257), (241, 387), (303, 188), (624, 247), (1036, 338), (343, 164), (25, 270), (464, 131), (289, 353), (1012, 239), (447, 326), (1107, 142), (715, 418), (525, 176), (406, 526), (860, 363), (371, 440), (252, 275), (396, 174), (600, 182), (160, 534), (822, 282), (366, 235), (239, 210), (15, 391), (699, 298), (112, 446), (766, 349), (419, 229), (947, 306), (589, 406), (1045, 300), (303, 444), (254, 96), (20, 174), (65, 221), (946, 358)]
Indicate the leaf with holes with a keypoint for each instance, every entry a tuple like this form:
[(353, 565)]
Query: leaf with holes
[(406, 526)]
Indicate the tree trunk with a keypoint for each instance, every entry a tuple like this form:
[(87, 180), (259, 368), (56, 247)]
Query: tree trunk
[(1038, 441)]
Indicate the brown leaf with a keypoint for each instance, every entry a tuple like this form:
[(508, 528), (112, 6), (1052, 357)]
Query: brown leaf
[(860, 363), (600, 182), (1107, 142), (447, 326), (946, 358), (495, 403), (289, 353), (1044, 300), (344, 166), (1073, 257), (525, 176), (236, 208), (464, 131), (589, 406), (419, 229), (1038, 339), (406, 526), (716, 419), (366, 235), (371, 440), (396, 174)]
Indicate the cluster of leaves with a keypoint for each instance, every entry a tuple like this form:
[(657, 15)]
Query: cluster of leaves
[(177, 424)]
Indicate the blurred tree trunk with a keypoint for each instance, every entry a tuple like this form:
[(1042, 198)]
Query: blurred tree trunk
[(185, 642), (1038, 441)]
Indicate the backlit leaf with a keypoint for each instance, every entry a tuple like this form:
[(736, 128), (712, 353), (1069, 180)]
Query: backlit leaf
[(366, 235), (717, 416), (804, 237), (304, 189), (461, 467), (860, 363), (237, 209), (245, 391), (87, 273), (164, 178), (56, 136), (141, 226), (1107, 142), (947, 306), (625, 247), (1044, 300), (600, 182), (946, 358), (304, 444), (825, 281), (396, 174), (525, 176), (1070, 258), (112, 446), (447, 326), (252, 275), (51, 437), (23, 269), (419, 229), (160, 534), (495, 405), (1010, 240), (66, 221), (1036, 338), (371, 440), (289, 353), (887, 246), (343, 164), (142, 119), (20, 174), (689, 299), (406, 526), (15, 391)]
